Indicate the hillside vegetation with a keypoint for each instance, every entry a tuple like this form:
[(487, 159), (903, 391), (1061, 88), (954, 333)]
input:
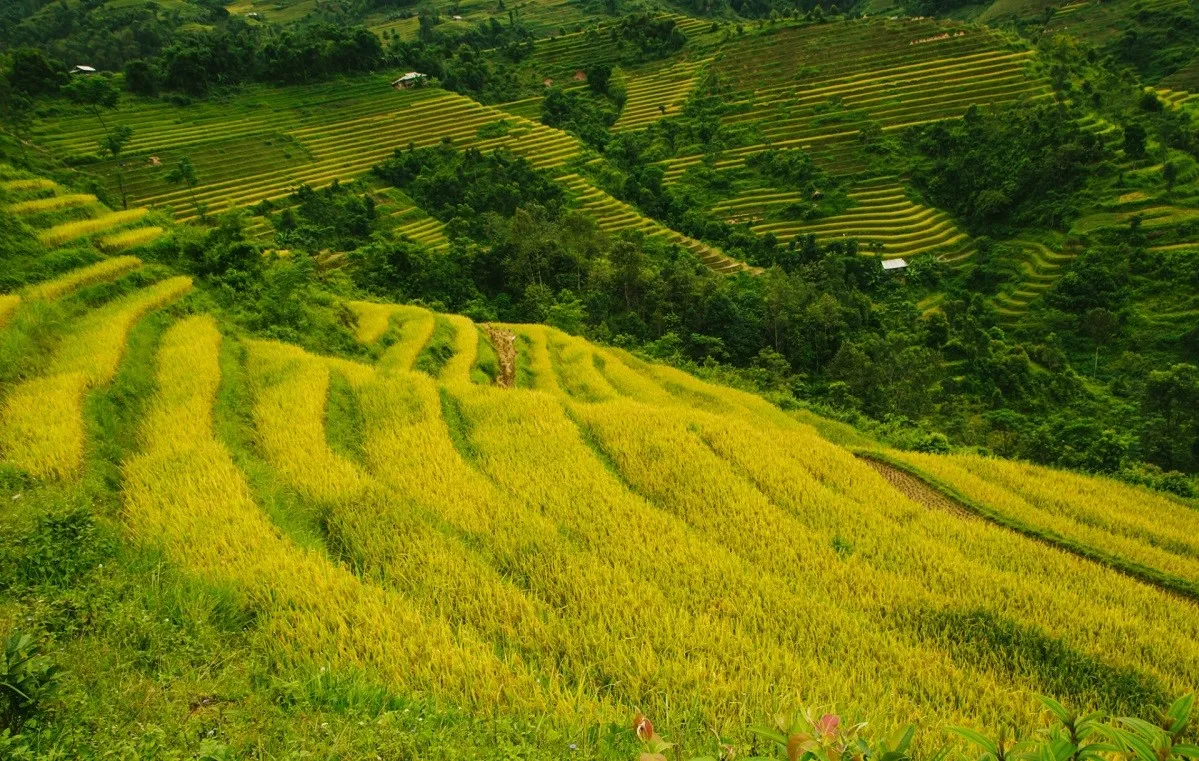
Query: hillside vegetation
[(513, 522), (621, 379)]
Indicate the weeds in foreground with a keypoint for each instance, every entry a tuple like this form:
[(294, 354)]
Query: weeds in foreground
[(1068, 737)]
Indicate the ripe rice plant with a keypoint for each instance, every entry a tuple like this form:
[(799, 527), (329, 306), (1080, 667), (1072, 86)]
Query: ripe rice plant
[(185, 494), (373, 320), (26, 185), (69, 231), (466, 347), (390, 541), (1127, 522), (52, 203), (620, 636), (128, 239), (42, 429), (575, 369), (100, 271), (413, 327), (8, 305), (536, 343), (947, 564)]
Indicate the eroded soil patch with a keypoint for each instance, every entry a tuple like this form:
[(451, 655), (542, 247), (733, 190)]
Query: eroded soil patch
[(916, 490)]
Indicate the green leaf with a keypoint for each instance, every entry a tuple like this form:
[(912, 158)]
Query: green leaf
[(769, 734), (1180, 712), (977, 738), (1131, 743), (1056, 708), (1186, 751), (902, 738), (1142, 728)]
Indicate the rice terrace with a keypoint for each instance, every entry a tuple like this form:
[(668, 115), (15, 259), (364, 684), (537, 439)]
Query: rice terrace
[(661, 380)]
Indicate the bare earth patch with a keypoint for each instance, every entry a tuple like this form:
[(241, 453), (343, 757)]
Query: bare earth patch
[(504, 342), (916, 490)]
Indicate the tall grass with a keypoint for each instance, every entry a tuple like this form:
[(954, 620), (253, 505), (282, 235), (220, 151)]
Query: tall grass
[(69, 231), (8, 305), (129, 238), (373, 320), (185, 494), (410, 332), (42, 429), (100, 271), (52, 203)]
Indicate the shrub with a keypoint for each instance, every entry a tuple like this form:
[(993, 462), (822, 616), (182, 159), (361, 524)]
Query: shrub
[(27, 680)]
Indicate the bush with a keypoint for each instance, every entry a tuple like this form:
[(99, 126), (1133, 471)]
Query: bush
[(27, 680)]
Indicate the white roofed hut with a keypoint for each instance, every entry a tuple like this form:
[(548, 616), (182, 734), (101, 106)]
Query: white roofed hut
[(894, 264), (409, 80)]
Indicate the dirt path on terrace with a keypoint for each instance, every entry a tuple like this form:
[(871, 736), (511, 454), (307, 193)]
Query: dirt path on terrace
[(916, 490), (504, 342)]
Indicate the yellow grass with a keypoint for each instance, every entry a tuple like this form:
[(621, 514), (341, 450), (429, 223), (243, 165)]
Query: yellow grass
[(373, 320), (415, 327), (610, 628), (37, 205), (625, 536), (185, 494), (1129, 522), (8, 305), (129, 238), (41, 423), (575, 368), (394, 543), (36, 183), (103, 270), (69, 231), (466, 350)]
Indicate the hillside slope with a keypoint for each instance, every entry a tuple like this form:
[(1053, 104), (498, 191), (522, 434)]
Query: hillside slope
[(516, 522)]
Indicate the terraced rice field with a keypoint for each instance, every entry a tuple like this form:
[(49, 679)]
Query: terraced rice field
[(883, 216), (496, 539), (657, 93), (1099, 21), (402, 217), (817, 86), (560, 57), (60, 216), (1038, 268), (616, 216), (270, 141)]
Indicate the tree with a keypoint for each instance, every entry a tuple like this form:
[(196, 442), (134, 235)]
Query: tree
[(16, 112), (141, 78), (34, 74), (598, 77), (1170, 175), (93, 92), (185, 174), (113, 143), (1134, 141), (1101, 326)]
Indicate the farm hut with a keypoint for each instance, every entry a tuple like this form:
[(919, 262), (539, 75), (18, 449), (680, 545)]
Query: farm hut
[(580, 76), (895, 264), (81, 69), (409, 80), (548, 82)]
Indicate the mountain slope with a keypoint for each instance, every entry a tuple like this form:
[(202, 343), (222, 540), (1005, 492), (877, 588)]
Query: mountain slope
[(594, 535)]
